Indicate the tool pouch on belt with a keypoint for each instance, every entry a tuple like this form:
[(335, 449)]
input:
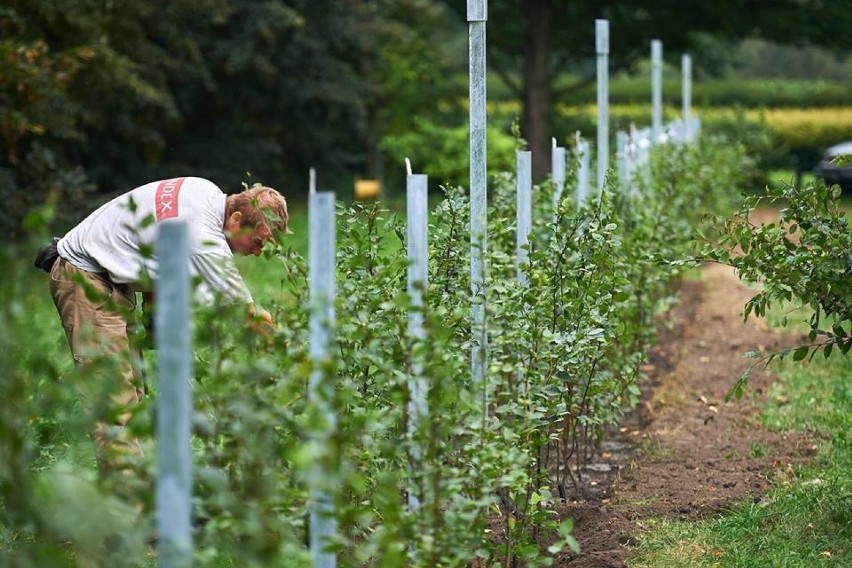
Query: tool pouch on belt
[(46, 256)]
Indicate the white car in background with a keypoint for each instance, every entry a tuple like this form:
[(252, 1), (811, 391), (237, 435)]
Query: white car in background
[(833, 173)]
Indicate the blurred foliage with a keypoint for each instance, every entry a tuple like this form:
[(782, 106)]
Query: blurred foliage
[(107, 96), (782, 138), (756, 138), (442, 151), (532, 44), (809, 127), (34, 108), (759, 58), (716, 92), (774, 138), (98, 97)]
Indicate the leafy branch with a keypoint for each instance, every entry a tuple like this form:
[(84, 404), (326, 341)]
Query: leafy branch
[(804, 258)]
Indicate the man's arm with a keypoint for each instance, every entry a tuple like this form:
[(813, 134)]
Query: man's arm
[(258, 320)]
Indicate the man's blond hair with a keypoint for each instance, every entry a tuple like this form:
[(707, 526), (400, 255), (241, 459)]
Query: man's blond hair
[(261, 206)]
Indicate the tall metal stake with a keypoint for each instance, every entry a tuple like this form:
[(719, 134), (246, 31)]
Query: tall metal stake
[(621, 139), (686, 98), (321, 275), (417, 235), (656, 91), (174, 404), (477, 15), (524, 212), (582, 155), (524, 227), (602, 49), (557, 174)]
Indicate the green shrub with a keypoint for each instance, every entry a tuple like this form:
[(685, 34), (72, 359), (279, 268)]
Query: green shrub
[(804, 259), (442, 151), (564, 356)]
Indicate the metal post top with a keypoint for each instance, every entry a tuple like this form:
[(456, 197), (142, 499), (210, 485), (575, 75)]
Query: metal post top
[(477, 10), (417, 182), (656, 48), (602, 37), (322, 195)]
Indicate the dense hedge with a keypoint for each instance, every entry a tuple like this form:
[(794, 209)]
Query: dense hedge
[(564, 358), (722, 92), (776, 138), (792, 128)]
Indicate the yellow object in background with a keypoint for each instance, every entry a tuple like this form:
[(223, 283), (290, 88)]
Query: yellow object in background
[(367, 188)]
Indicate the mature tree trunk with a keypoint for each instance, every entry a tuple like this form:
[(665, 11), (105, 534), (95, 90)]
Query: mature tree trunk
[(535, 120)]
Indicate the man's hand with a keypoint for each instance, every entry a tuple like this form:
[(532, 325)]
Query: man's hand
[(260, 321)]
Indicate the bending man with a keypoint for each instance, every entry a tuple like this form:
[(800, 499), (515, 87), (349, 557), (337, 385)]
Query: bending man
[(108, 257)]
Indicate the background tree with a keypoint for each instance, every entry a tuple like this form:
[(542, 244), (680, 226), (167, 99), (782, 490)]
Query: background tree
[(36, 112), (532, 43), (109, 95), (101, 96), (86, 94)]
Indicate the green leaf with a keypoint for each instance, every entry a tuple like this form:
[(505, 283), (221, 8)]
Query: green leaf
[(800, 353)]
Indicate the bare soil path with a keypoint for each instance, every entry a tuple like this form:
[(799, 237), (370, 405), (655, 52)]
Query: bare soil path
[(685, 453)]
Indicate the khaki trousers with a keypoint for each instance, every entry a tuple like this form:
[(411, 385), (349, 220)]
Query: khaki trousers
[(97, 317)]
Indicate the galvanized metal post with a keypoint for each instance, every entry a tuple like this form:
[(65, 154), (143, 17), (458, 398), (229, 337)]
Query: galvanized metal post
[(321, 276), (523, 159), (418, 258), (557, 169), (656, 90), (477, 15), (602, 49), (174, 404), (523, 213), (583, 173), (621, 160), (686, 96)]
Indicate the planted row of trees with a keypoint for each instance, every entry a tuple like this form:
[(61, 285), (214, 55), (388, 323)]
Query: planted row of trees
[(565, 349)]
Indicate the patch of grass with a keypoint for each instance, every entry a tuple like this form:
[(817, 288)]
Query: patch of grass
[(653, 449), (781, 177), (806, 520), (815, 396), (757, 450)]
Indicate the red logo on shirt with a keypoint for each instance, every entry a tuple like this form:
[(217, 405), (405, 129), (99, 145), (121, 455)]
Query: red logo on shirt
[(166, 198)]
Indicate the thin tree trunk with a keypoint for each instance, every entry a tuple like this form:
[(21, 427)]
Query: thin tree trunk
[(535, 119)]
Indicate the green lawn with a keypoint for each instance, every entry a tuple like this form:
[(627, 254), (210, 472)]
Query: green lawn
[(806, 520)]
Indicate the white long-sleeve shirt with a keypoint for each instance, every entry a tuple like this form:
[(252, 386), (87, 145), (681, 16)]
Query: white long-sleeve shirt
[(118, 238)]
